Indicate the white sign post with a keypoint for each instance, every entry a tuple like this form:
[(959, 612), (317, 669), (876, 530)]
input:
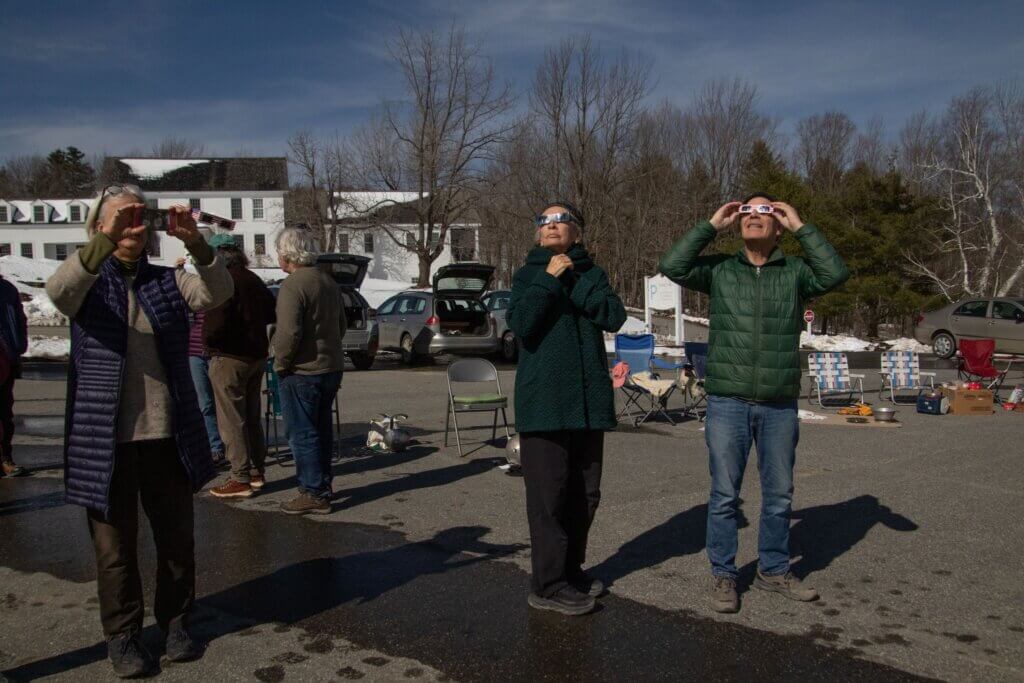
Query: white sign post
[(660, 293), (809, 319)]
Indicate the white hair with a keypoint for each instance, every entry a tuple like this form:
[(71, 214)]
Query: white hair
[(296, 245)]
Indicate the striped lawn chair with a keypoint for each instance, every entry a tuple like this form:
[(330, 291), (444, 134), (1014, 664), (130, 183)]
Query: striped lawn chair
[(829, 372), (901, 370)]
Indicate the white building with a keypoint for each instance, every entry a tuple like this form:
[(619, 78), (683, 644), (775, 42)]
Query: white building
[(366, 218), (248, 190)]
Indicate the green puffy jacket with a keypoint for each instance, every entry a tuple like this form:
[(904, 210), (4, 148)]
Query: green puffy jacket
[(756, 312), (562, 380)]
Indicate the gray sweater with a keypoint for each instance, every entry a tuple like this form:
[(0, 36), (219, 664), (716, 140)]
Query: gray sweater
[(310, 325), (144, 412)]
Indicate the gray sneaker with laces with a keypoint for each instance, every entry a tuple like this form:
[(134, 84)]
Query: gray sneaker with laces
[(723, 595), (786, 585)]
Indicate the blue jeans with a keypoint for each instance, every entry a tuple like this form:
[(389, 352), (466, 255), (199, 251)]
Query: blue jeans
[(730, 428), (200, 368), (306, 403)]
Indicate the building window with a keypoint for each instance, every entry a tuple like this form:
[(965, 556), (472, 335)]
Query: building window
[(3, 214), (368, 243), (26, 249), (260, 245), (75, 213), (257, 209), (5, 249), (236, 208), (343, 242), (463, 244), (61, 252), (195, 204), (239, 241), (38, 214)]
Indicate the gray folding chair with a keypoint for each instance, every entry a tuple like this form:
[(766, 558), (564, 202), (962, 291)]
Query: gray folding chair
[(474, 370)]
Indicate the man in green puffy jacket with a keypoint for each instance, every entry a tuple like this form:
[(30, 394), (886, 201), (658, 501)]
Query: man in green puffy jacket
[(753, 374)]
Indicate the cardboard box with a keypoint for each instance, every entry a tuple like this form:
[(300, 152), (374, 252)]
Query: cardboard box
[(969, 402)]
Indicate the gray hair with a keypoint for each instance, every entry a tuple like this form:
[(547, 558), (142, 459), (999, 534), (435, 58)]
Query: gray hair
[(298, 246)]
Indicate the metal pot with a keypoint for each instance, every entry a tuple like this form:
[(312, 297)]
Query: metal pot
[(885, 414), (396, 438)]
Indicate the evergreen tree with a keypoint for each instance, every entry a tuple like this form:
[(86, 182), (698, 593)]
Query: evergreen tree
[(65, 174)]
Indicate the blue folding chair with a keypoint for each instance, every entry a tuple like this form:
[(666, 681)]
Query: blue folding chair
[(637, 351), (696, 367)]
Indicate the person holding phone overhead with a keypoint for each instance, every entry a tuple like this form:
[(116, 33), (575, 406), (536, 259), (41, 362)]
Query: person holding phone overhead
[(133, 429), (562, 304), (753, 374)]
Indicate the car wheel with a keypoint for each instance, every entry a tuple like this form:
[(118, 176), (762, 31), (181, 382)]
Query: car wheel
[(509, 347), (405, 348), (362, 360), (944, 345)]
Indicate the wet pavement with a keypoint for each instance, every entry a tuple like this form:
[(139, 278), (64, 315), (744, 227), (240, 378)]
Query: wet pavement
[(422, 570)]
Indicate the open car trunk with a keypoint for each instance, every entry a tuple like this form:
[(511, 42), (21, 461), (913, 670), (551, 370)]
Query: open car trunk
[(460, 316)]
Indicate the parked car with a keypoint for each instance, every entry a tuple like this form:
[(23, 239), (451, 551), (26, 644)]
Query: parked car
[(448, 319), (360, 341), (1001, 319), (497, 303)]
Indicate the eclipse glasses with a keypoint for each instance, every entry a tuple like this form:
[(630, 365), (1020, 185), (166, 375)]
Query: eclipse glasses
[(554, 218), (757, 208)]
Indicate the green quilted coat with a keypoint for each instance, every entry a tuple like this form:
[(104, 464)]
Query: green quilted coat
[(562, 380), (756, 313)]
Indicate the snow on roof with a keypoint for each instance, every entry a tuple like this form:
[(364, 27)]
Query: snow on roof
[(363, 202), (149, 169), (21, 269), (23, 209)]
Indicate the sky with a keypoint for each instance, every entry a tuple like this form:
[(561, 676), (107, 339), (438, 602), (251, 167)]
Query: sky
[(241, 77)]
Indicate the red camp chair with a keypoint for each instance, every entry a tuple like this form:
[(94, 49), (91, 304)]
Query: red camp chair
[(976, 364)]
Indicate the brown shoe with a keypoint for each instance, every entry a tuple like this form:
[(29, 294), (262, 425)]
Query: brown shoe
[(305, 503), (232, 489), (9, 469), (257, 482), (787, 585), (723, 595)]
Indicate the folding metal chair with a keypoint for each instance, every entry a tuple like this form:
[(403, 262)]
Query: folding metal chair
[(272, 411), (637, 351), (474, 370), (976, 365), (901, 371), (696, 368), (830, 375)]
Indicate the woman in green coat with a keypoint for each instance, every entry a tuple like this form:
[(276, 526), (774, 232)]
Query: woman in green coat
[(561, 306)]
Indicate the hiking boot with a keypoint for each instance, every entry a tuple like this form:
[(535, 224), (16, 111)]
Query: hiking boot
[(232, 489), (567, 600), (305, 503), (257, 482), (181, 647), (723, 595), (587, 584), (220, 461), (128, 656), (787, 585)]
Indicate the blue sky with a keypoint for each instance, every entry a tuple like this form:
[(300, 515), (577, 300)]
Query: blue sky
[(113, 76)]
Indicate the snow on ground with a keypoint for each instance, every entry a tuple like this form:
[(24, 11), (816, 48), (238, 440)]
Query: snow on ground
[(844, 342), (48, 348), (904, 344), (377, 291), (41, 312)]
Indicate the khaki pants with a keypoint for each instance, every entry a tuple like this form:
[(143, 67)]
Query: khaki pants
[(237, 386)]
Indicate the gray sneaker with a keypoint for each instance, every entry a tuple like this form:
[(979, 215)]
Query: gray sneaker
[(787, 585), (723, 595), (305, 503)]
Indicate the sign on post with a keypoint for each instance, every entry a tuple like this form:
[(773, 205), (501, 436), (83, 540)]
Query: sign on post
[(809, 319), (662, 294)]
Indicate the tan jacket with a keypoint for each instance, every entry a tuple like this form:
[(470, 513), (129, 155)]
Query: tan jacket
[(310, 325)]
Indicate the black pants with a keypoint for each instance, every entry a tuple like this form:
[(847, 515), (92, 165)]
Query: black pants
[(562, 471), (152, 471), (7, 416)]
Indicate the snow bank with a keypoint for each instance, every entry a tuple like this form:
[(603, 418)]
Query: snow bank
[(833, 342), (48, 348), (904, 344), (41, 312), (377, 291)]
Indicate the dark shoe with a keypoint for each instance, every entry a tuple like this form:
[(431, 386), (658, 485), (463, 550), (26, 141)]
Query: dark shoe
[(723, 595), (232, 489), (220, 461), (257, 482), (568, 601), (305, 503), (9, 469), (128, 656), (181, 647), (786, 585), (588, 585)]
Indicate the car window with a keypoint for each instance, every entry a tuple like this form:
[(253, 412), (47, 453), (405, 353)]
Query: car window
[(973, 309), (411, 304), (421, 305), (1004, 310), (498, 302), (387, 306)]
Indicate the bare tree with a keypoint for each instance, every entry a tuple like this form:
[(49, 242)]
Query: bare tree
[(824, 148), (436, 142), (172, 147), (971, 161), (870, 148)]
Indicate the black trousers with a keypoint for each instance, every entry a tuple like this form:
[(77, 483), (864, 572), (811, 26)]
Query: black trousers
[(562, 471), (7, 416), (150, 471)]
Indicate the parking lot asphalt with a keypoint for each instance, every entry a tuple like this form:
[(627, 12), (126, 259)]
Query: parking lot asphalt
[(910, 534)]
